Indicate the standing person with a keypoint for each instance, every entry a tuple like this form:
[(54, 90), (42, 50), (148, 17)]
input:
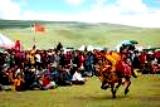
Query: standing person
[(59, 46), (57, 57), (81, 60), (89, 64), (136, 62), (18, 45), (32, 59), (157, 55), (75, 62), (12, 59), (38, 60), (51, 56), (62, 58)]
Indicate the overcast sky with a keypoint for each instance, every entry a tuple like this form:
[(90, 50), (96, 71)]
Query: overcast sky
[(143, 13)]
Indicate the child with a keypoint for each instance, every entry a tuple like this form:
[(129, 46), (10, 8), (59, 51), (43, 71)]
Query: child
[(18, 82)]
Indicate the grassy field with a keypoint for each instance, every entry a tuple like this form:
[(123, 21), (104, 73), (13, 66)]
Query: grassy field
[(144, 92), (75, 34)]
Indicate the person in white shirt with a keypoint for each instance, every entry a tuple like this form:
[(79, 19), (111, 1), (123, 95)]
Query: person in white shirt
[(38, 60), (77, 78)]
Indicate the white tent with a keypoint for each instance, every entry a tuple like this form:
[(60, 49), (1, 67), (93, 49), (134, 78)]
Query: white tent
[(89, 48), (117, 48), (139, 48), (82, 48), (5, 42)]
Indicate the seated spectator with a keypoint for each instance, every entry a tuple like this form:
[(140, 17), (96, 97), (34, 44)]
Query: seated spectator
[(54, 73), (29, 76), (19, 82), (154, 66), (0, 87), (64, 77), (46, 83), (77, 78)]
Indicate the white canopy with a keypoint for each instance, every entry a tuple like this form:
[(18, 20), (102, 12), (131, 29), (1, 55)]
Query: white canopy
[(89, 48), (5, 42)]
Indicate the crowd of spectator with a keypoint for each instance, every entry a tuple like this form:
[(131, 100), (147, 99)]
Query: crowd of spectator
[(47, 69)]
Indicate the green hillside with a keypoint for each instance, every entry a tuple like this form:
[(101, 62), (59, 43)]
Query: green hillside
[(75, 34)]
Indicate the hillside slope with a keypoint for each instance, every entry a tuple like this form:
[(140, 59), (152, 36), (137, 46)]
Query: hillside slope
[(75, 34)]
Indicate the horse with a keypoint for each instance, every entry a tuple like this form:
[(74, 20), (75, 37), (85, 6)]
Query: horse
[(112, 72)]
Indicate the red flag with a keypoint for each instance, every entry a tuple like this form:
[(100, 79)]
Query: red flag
[(39, 28)]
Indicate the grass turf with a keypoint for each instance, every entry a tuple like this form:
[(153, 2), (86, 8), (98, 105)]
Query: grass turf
[(144, 91)]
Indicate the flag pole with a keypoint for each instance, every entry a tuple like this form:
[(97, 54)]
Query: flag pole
[(34, 35)]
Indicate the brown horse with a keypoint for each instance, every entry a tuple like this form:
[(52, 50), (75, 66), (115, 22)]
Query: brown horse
[(112, 75)]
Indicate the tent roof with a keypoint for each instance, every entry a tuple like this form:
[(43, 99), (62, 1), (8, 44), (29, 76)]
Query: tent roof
[(5, 42)]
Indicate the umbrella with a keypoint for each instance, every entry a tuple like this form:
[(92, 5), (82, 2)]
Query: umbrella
[(133, 41), (129, 42), (125, 42)]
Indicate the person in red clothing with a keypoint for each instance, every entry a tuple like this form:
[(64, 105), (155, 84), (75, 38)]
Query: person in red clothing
[(46, 83), (143, 59), (81, 59), (157, 55), (123, 68), (17, 45)]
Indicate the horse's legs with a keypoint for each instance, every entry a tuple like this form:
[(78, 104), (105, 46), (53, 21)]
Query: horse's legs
[(127, 86), (104, 85), (113, 90), (119, 83)]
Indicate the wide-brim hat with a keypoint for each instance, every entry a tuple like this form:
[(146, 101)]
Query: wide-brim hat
[(54, 65)]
